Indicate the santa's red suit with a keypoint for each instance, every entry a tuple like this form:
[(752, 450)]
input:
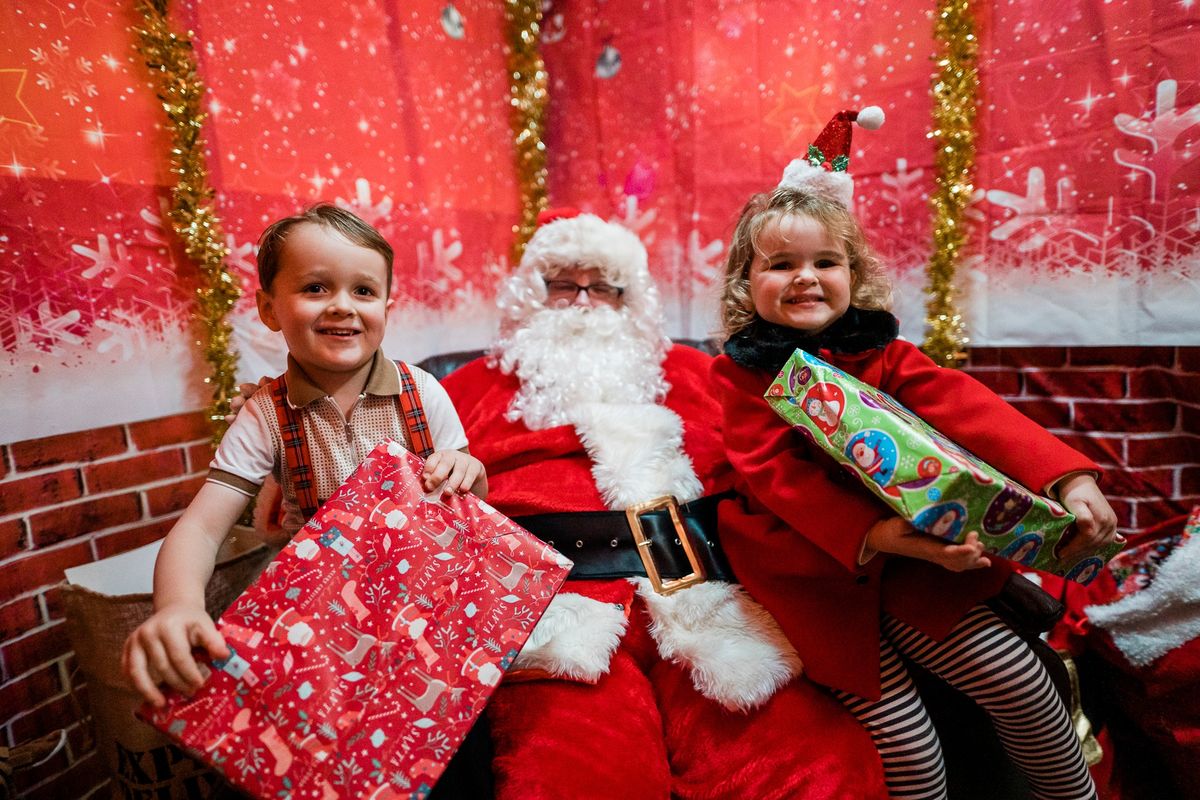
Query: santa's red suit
[(628, 693)]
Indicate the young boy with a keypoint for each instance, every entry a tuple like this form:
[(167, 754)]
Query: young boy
[(326, 277)]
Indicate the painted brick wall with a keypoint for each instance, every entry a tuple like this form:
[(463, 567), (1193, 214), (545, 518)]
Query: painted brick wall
[(66, 500), (1134, 410)]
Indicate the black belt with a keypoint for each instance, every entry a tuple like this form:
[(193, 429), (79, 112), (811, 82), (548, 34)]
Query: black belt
[(602, 545)]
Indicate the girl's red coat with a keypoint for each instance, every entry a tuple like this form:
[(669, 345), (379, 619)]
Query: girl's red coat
[(795, 535)]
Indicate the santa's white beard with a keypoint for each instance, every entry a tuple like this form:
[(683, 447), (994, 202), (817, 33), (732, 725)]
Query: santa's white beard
[(567, 358)]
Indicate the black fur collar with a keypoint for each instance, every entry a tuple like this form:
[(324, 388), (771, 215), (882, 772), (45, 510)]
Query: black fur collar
[(765, 345)]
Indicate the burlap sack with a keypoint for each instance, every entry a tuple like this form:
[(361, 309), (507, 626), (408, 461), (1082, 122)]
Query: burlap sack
[(142, 762)]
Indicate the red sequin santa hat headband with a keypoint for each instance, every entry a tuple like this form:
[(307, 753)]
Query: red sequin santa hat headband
[(823, 169)]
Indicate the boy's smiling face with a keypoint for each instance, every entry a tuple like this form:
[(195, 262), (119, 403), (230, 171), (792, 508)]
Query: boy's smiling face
[(330, 301)]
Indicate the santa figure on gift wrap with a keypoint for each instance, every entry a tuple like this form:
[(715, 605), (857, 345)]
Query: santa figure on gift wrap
[(628, 686)]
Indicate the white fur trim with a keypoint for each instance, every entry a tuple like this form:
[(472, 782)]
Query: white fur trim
[(636, 451), (1150, 623), (804, 177), (737, 654), (574, 639)]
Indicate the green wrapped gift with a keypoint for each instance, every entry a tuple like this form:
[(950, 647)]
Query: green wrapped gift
[(928, 479)]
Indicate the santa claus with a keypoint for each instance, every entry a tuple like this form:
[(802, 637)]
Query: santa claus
[(631, 686)]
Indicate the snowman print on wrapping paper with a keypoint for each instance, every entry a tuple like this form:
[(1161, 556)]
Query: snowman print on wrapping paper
[(944, 520), (824, 404), (332, 539), (1024, 549), (874, 453)]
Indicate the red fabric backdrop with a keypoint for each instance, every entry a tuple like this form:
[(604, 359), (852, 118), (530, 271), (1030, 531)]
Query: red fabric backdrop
[(665, 115), (1088, 183)]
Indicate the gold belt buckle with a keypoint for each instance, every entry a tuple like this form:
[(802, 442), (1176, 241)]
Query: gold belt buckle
[(668, 502)]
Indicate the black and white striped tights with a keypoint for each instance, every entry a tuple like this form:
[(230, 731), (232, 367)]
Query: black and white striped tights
[(985, 659)]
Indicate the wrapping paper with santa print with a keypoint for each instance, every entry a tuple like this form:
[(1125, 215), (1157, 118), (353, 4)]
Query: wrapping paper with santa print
[(926, 478), (364, 652)]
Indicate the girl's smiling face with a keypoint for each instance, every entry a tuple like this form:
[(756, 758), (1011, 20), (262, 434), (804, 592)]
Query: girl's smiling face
[(800, 276)]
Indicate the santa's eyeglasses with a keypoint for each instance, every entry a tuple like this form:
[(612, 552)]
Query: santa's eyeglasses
[(569, 290)]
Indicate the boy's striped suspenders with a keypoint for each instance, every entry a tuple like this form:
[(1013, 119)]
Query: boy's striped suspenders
[(296, 458), (408, 403)]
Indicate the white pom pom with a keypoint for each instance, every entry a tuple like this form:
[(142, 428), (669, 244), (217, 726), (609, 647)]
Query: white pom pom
[(870, 118)]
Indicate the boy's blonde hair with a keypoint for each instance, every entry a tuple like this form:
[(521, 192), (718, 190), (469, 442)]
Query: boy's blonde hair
[(270, 244), (872, 289)]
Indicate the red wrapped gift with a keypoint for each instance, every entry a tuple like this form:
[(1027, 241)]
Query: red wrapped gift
[(364, 652)]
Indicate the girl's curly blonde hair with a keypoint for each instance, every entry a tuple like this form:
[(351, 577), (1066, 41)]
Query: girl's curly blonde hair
[(872, 289)]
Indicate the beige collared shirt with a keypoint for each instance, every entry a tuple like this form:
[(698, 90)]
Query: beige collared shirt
[(252, 448)]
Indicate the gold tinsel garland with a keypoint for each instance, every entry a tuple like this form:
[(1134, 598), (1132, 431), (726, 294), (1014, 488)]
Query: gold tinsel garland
[(527, 96), (954, 91), (192, 216)]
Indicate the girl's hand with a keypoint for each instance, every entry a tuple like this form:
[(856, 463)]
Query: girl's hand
[(460, 471), (897, 536), (160, 651), (969, 554), (1095, 521)]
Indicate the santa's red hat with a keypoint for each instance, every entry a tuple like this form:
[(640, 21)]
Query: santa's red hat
[(567, 237), (824, 169)]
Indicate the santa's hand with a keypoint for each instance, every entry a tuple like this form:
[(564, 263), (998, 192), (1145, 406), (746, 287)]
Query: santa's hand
[(458, 470), (1095, 521), (238, 400)]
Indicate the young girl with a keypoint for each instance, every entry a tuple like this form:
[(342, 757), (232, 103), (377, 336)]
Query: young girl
[(854, 587)]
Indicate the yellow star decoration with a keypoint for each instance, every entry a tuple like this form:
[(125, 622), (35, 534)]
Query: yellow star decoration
[(12, 107), (796, 112)]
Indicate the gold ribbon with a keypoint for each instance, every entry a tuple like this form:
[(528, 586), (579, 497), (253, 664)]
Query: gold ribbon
[(193, 218), (954, 92), (527, 90)]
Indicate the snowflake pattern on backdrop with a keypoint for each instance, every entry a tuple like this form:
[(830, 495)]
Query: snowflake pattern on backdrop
[(1087, 165), (1157, 230)]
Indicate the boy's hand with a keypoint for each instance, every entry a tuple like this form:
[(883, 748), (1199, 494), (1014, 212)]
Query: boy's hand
[(895, 535), (1095, 521), (160, 651), (238, 400), (459, 470)]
